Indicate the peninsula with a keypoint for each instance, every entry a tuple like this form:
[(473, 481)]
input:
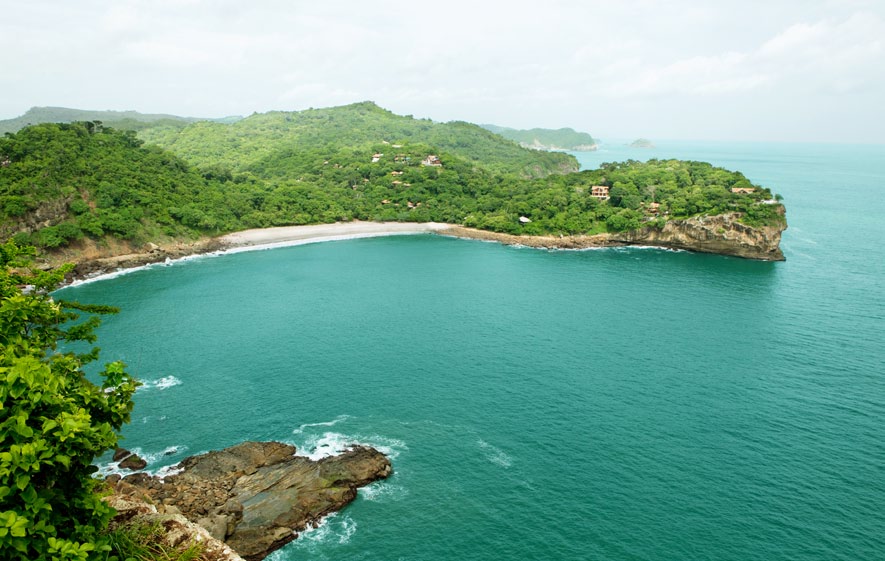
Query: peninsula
[(548, 139), (85, 192)]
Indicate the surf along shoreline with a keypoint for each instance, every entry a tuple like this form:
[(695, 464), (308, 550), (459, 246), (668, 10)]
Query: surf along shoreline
[(96, 267), (721, 234)]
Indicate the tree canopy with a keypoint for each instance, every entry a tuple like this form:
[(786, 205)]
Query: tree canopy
[(53, 420), (65, 184)]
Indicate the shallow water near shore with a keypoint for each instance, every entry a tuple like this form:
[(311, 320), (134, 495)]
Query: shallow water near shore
[(615, 404)]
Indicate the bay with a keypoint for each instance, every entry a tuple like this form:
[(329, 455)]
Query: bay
[(607, 404)]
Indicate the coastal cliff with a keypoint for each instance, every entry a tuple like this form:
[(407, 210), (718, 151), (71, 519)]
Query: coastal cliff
[(257, 496), (721, 234)]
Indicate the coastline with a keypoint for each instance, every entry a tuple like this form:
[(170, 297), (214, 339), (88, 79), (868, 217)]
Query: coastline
[(92, 267)]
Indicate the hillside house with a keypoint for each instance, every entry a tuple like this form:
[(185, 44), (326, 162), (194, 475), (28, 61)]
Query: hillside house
[(376, 158), (431, 160), (743, 190), (600, 192), (654, 208)]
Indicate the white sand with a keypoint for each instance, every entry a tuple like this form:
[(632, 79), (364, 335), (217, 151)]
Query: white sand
[(265, 238)]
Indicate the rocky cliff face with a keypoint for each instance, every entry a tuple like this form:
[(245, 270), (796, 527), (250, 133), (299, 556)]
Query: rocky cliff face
[(256, 496), (48, 213), (721, 234)]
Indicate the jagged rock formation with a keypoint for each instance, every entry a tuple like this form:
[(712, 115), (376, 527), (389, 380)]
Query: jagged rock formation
[(722, 234), (256, 496), (98, 261)]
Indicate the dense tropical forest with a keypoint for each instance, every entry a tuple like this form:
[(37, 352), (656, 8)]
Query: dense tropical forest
[(63, 183), (550, 139)]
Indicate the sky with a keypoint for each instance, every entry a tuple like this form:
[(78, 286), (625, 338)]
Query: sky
[(773, 70)]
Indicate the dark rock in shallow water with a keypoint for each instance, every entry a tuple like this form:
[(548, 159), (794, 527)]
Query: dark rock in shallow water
[(128, 460), (258, 495)]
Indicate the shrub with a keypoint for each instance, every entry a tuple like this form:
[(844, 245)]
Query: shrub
[(53, 420)]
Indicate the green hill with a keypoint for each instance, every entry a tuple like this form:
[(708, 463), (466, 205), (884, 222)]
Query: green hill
[(261, 140), (128, 120), (547, 139), (62, 182)]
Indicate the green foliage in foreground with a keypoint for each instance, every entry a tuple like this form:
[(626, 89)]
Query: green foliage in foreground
[(53, 420)]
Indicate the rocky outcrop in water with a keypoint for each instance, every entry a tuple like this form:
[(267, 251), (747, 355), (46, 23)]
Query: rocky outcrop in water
[(128, 460), (257, 496), (721, 234)]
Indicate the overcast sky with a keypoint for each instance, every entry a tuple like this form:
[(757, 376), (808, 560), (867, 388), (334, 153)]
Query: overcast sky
[(685, 69)]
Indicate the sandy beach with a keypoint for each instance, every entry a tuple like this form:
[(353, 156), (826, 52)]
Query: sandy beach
[(93, 264), (295, 235)]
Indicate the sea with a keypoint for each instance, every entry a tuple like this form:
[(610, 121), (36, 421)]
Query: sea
[(608, 404)]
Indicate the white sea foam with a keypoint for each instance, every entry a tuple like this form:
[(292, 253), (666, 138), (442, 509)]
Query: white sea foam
[(121, 272), (168, 471), (383, 491), (331, 423), (332, 529), (163, 383), (319, 446), (152, 458), (494, 454), (657, 247)]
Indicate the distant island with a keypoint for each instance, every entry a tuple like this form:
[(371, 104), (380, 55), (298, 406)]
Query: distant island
[(84, 190), (642, 143), (547, 139)]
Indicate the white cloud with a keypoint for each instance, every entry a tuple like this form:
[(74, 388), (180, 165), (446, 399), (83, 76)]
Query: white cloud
[(589, 64)]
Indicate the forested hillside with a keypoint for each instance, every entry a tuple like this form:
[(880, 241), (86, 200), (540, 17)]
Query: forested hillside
[(263, 139), (61, 184), (549, 139), (130, 120)]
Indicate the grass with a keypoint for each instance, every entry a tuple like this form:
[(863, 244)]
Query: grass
[(143, 542)]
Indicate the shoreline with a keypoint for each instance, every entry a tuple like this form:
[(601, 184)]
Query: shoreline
[(258, 239), (91, 268)]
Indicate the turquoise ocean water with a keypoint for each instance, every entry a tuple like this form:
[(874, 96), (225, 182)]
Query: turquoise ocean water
[(617, 404)]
